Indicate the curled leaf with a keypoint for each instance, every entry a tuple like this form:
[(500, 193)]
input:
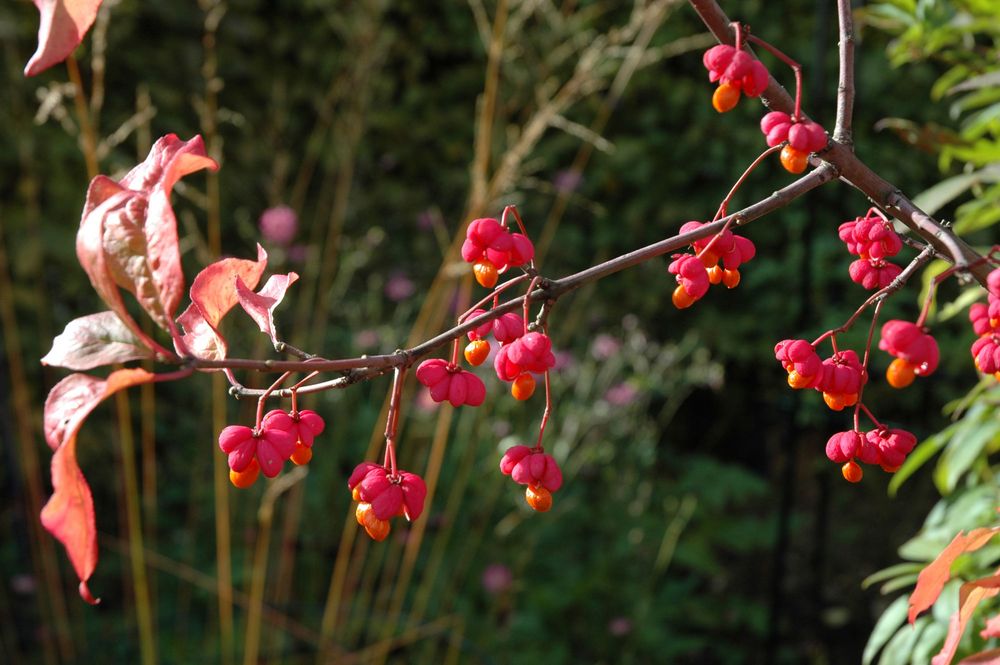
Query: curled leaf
[(260, 305), (94, 340), (69, 513), (213, 294), (62, 27), (128, 233)]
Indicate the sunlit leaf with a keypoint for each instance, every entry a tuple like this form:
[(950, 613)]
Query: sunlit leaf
[(933, 578), (969, 597), (925, 450), (890, 573), (933, 199), (213, 294), (128, 233), (890, 621), (94, 340), (62, 27), (69, 513), (975, 431), (260, 305)]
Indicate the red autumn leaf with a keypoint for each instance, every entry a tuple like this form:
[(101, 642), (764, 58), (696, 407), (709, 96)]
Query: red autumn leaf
[(69, 513), (932, 578), (970, 595), (128, 233), (213, 294), (94, 340), (62, 27), (260, 306)]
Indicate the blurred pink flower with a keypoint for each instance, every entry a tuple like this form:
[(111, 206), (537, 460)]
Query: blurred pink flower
[(23, 583), (426, 219), (279, 225), (620, 626), (366, 338), (298, 253), (497, 578), (424, 401), (399, 287), (604, 346), (567, 181), (564, 360), (621, 394)]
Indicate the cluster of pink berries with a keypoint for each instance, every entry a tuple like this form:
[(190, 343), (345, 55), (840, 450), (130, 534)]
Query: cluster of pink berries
[(885, 447), (737, 72), (839, 377), (800, 136), (872, 239), (985, 320), (914, 350), (537, 471), (520, 355), (448, 381), (381, 495), (281, 436), (491, 248), (694, 273)]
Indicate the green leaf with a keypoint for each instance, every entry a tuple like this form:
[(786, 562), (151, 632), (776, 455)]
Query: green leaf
[(891, 572), (990, 79), (928, 644), (904, 582), (959, 305), (933, 269), (890, 621), (975, 431), (933, 199), (916, 459), (900, 647)]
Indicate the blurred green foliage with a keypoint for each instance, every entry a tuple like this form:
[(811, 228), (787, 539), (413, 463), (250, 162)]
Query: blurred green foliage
[(963, 38), (700, 522)]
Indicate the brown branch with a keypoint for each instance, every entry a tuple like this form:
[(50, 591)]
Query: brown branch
[(845, 87), (857, 173), (368, 367)]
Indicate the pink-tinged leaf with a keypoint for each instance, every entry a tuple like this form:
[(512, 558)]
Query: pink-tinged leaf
[(992, 628), (970, 595), (69, 513), (213, 294), (168, 161), (933, 578), (95, 340), (260, 306), (991, 657), (62, 27), (105, 197), (71, 400), (128, 233)]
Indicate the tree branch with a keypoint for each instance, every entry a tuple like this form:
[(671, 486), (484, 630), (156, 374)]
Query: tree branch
[(856, 172), (368, 367), (845, 87)]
